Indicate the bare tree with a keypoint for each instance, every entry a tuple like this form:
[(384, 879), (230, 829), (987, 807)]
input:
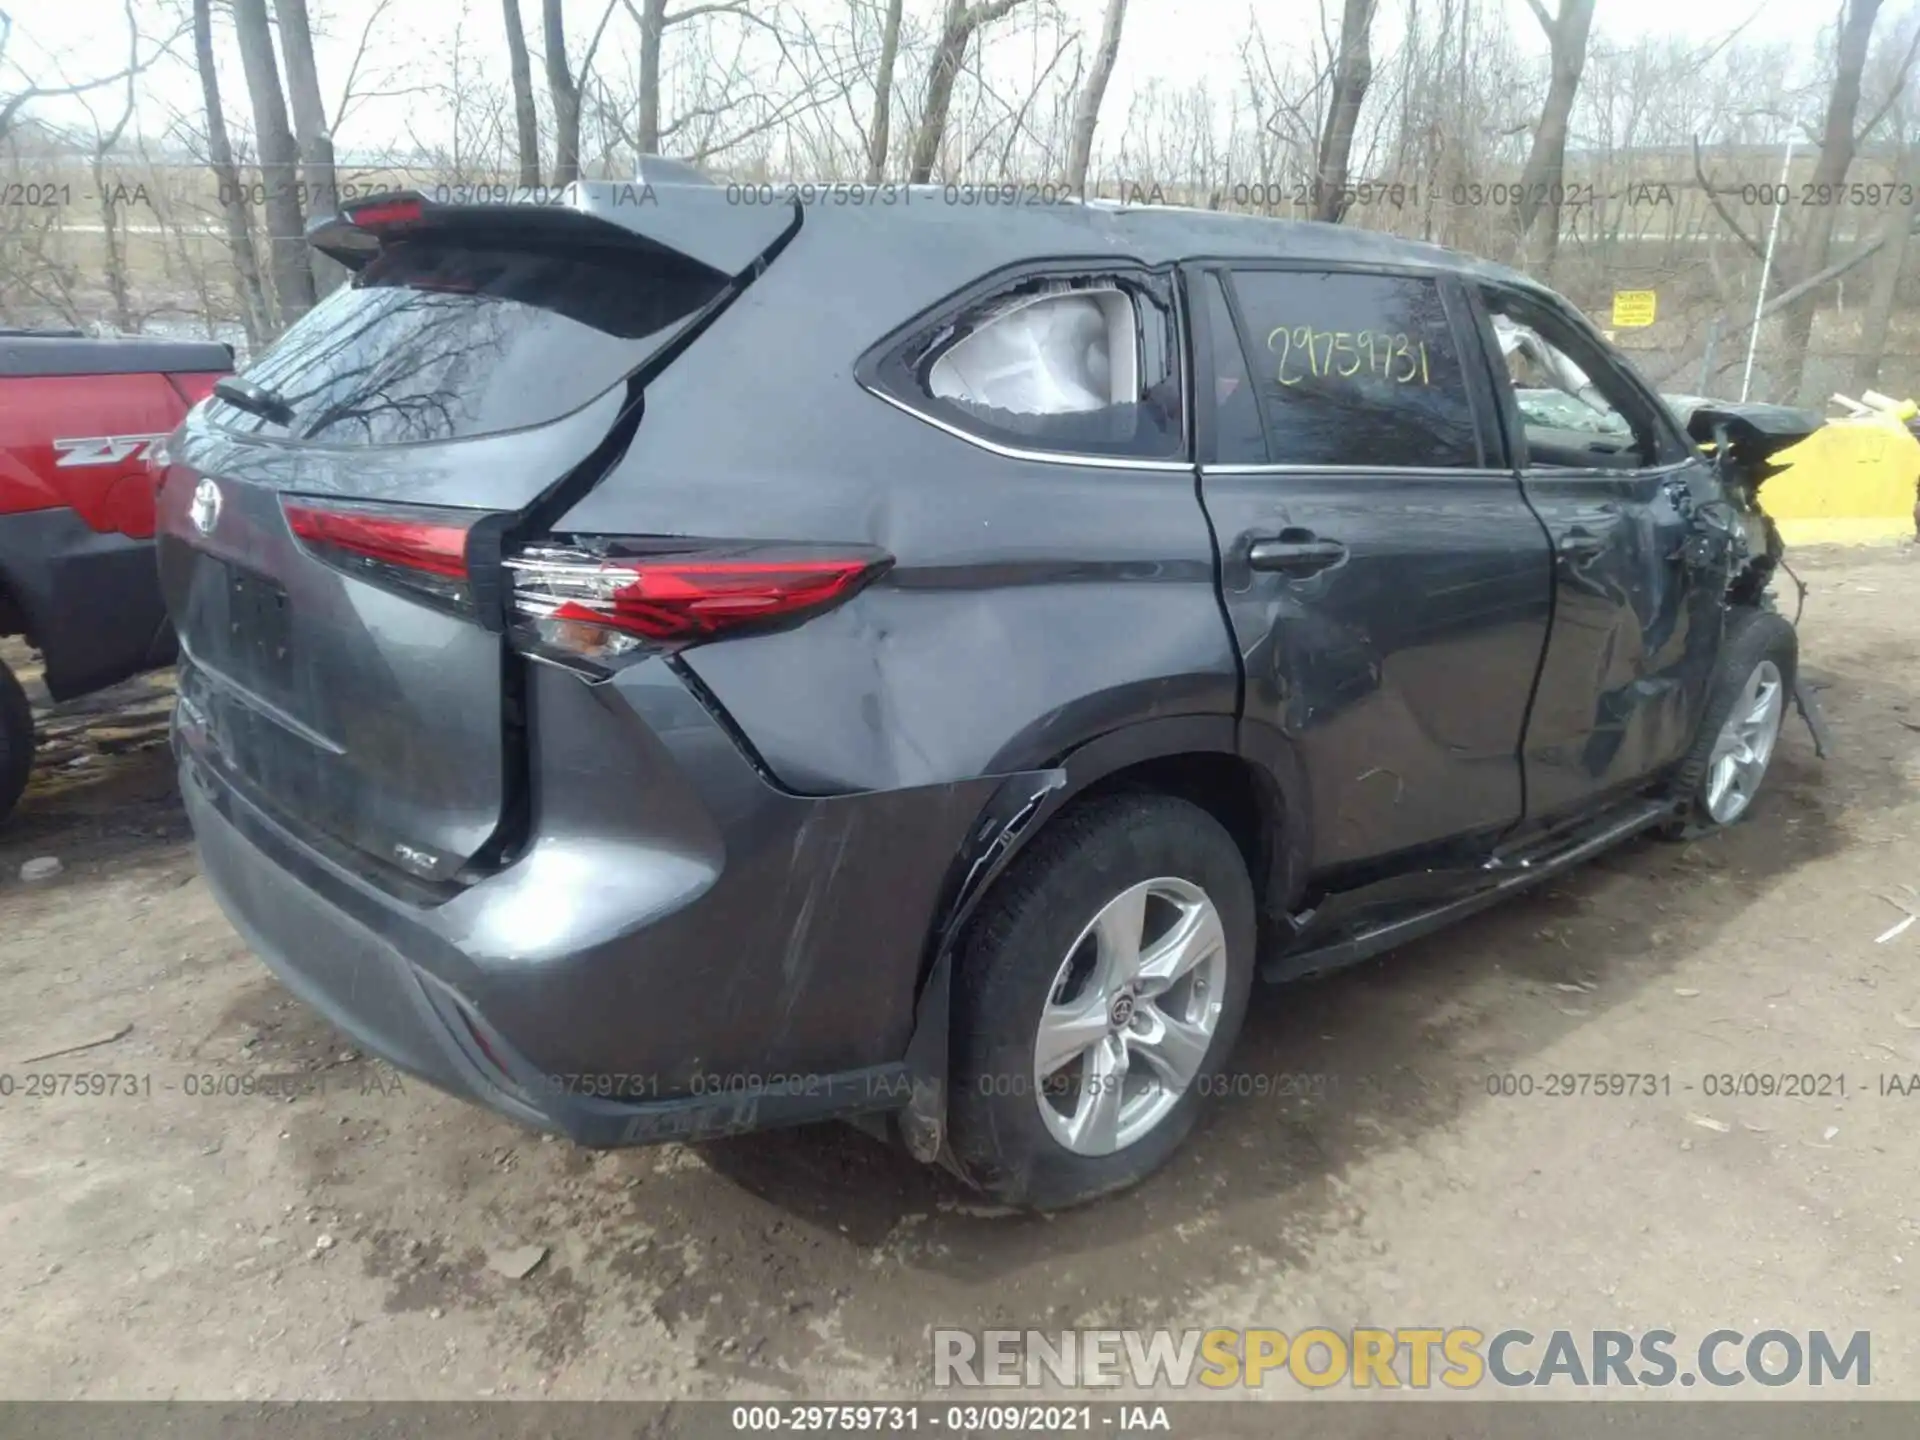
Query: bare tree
[(1838, 141), (310, 129), (526, 123), (564, 87), (653, 20), (1884, 298), (279, 162), (879, 137), (231, 193), (653, 36), (1352, 74), (1543, 178), (956, 31), (564, 93), (1086, 112), (118, 289)]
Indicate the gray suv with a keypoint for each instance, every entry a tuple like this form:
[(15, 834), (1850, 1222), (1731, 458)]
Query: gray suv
[(682, 660)]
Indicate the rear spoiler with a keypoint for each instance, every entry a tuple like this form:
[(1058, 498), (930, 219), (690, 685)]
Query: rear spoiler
[(703, 223)]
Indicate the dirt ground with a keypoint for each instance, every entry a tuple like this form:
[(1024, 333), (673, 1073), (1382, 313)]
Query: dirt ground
[(187, 1241)]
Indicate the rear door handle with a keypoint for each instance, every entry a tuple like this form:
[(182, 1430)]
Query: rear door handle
[(1580, 543), (1295, 552)]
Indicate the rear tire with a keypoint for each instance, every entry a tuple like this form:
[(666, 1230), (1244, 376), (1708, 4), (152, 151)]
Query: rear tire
[(16, 741), (1049, 948), (1740, 731)]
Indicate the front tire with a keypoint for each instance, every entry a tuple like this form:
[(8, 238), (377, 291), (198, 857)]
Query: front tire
[(16, 741), (1100, 989), (1746, 709)]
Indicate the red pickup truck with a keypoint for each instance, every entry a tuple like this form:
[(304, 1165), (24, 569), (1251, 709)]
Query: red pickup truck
[(78, 417)]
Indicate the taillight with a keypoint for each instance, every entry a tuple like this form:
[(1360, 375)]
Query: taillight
[(420, 550), (604, 600)]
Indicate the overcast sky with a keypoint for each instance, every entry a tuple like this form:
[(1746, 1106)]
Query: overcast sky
[(1178, 42)]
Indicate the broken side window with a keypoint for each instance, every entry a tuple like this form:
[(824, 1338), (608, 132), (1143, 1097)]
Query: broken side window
[(1083, 366), (1577, 410)]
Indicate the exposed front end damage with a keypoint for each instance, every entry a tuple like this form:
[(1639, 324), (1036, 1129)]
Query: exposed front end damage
[(1744, 439)]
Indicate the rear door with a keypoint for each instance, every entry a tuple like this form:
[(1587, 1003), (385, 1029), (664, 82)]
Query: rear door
[(329, 552), (1635, 629), (1387, 587)]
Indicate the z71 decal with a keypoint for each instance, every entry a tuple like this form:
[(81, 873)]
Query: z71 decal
[(101, 449)]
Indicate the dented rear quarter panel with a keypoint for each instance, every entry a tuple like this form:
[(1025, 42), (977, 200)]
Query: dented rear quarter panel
[(1031, 605)]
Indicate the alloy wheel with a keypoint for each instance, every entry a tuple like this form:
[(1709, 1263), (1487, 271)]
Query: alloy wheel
[(1745, 744), (1130, 1016)]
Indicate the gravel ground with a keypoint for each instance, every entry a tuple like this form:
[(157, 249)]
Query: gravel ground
[(354, 1240)]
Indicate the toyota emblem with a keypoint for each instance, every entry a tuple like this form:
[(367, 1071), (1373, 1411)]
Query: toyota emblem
[(204, 510)]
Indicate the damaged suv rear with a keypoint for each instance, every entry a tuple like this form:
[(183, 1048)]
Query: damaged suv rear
[(661, 666)]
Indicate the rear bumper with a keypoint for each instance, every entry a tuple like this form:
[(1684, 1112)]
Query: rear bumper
[(369, 989), (630, 988)]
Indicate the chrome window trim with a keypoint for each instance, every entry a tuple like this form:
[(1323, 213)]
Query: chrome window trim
[(1042, 457), (1596, 472), (1472, 472), (1385, 472)]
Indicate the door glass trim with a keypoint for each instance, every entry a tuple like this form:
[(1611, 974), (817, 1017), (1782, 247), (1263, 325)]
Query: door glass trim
[(1602, 474), (1077, 458), (1198, 286), (1383, 472)]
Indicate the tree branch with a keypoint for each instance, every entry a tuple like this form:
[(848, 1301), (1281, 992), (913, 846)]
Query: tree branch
[(15, 103), (986, 13), (694, 12), (586, 60), (353, 70), (1793, 292), (1713, 197), (1893, 96)]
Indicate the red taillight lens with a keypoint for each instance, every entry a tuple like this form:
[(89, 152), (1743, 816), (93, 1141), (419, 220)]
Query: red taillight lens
[(418, 549), (600, 606)]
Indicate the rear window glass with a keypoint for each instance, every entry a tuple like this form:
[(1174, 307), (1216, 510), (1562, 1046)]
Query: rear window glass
[(440, 341), (1356, 369)]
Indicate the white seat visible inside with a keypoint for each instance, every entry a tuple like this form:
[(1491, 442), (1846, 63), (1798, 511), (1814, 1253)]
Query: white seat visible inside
[(1055, 353)]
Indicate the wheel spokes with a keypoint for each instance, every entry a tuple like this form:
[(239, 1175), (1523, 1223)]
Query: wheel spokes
[(1761, 709), (1118, 932), (1738, 761), (1196, 936), (1720, 781), (1119, 1001), (1068, 1031), (1171, 1047), (1094, 1127)]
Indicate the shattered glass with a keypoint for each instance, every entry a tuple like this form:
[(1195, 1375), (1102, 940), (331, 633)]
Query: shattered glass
[(1051, 354)]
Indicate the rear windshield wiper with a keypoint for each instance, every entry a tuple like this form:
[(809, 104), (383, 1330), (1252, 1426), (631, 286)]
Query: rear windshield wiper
[(254, 399)]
